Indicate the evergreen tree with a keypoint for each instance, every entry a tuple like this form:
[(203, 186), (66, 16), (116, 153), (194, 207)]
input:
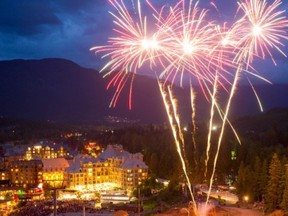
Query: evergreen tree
[(241, 178), (245, 180), (284, 203), (274, 184), (263, 179), (154, 163), (256, 180), (283, 179)]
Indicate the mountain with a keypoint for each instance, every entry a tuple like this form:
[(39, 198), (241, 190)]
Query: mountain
[(276, 119), (60, 90)]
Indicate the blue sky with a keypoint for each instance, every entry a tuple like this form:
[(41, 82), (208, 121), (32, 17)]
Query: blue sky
[(35, 29)]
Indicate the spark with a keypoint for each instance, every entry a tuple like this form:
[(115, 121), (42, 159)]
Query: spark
[(261, 28), (210, 125), (193, 111), (177, 141), (256, 95), (130, 49), (177, 119), (268, 27), (181, 42)]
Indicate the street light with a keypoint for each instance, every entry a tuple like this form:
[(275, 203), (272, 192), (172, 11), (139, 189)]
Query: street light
[(55, 188), (246, 198)]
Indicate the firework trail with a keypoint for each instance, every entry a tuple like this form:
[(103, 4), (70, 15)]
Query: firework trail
[(210, 125), (256, 95), (225, 45), (175, 112), (183, 42), (177, 141), (193, 111), (133, 47), (266, 26)]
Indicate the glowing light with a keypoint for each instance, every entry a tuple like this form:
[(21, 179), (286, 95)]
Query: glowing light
[(150, 44), (187, 47), (256, 30), (246, 198), (185, 43)]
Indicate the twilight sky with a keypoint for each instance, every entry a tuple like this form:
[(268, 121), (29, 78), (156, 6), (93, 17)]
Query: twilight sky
[(35, 29)]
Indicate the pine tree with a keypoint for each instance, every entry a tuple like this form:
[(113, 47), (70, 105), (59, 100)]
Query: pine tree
[(245, 180), (274, 184), (241, 179), (284, 203), (256, 178), (263, 180), (282, 180)]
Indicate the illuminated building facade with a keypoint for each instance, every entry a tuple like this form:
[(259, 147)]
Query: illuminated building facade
[(26, 173), (113, 168), (134, 171), (47, 152), (54, 172), (4, 174), (4, 177)]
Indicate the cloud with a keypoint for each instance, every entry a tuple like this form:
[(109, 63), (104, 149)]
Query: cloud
[(68, 28), (46, 28), (26, 18)]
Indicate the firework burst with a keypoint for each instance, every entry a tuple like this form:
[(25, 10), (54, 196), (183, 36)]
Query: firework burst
[(262, 28), (132, 46), (182, 43)]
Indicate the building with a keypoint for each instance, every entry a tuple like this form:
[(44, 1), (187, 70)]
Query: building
[(113, 168), (45, 152), (4, 178), (26, 173), (90, 173), (54, 172), (133, 171)]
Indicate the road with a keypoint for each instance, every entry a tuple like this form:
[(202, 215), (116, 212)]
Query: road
[(233, 211), (223, 211)]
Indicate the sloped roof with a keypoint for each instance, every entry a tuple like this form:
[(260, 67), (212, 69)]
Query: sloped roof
[(75, 164), (55, 163), (131, 163), (74, 167), (113, 153)]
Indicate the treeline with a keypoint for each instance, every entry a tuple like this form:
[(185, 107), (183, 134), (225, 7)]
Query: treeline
[(265, 181), (258, 167)]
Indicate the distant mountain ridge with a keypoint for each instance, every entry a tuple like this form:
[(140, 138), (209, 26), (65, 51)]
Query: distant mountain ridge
[(60, 90)]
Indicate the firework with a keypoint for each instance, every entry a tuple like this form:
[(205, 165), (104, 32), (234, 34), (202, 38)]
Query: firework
[(182, 43), (171, 116), (262, 28), (259, 31), (189, 45), (129, 49)]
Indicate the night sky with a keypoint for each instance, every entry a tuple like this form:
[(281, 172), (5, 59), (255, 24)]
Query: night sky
[(35, 29)]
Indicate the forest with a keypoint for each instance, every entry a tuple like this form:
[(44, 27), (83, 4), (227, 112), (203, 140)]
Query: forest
[(257, 165)]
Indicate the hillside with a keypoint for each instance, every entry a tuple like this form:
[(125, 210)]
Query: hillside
[(60, 90)]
